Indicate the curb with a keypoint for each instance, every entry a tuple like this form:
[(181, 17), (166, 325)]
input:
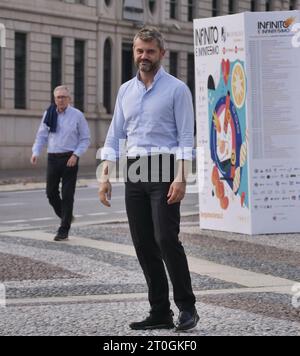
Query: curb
[(19, 187), (82, 224)]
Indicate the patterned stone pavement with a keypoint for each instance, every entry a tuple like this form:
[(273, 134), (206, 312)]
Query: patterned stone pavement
[(93, 285)]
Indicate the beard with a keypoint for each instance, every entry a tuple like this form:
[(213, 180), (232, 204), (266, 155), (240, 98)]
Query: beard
[(147, 66)]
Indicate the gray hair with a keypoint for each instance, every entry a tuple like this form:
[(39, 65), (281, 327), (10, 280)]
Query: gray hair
[(62, 87), (149, 34)]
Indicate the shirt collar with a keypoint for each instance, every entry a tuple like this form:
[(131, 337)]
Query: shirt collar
[(65, 111), (157, 76)]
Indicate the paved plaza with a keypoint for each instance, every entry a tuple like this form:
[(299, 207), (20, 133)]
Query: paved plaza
[(93, 285)]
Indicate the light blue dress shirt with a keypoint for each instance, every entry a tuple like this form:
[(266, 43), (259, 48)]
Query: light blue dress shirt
[(159, 119), (72, 134)]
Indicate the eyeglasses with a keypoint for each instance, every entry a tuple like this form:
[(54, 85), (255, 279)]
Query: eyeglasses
[(61, 97)]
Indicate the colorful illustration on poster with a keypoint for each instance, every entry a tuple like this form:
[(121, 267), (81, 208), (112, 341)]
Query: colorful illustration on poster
[(229, 134)]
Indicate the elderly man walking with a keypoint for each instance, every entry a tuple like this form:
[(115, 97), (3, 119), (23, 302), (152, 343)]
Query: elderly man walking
[(65, 130)]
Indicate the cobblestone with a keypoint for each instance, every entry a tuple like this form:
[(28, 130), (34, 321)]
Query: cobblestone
[(112, 319), (37, 273)]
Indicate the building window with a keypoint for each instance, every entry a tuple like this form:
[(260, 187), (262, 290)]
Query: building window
[(152, 6), (293, 4), (56, 64), (231, 6), (133, 10), (107, 75), (20, 70), (173, 9), (191, 79), (253, 5), (191, 10), (268, 5), (128, 67), (191, 73), (215, 8), (79, 75), (174, 64)]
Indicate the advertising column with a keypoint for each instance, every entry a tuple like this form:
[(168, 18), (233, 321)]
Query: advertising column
[(223, 137), (248, 122)]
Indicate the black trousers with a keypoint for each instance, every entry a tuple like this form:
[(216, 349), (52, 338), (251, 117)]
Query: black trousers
[(154, 227), (62, 204)]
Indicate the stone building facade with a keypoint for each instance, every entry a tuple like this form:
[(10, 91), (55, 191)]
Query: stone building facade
[(86, 44)]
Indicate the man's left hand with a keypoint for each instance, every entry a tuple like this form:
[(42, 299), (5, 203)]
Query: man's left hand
[(72, 161), (176, 192)]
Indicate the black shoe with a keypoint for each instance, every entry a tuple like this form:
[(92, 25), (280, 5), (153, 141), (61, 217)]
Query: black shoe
[(187, 320), (154, 321), (61, 236)]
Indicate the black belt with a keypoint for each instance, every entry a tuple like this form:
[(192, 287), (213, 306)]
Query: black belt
[(58, 155)]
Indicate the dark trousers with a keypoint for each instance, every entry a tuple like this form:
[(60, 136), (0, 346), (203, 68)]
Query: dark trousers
[(154, 227), (62, 204)]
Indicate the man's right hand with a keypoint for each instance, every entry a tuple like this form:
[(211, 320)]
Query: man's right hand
[(105, 190), (34, 160)]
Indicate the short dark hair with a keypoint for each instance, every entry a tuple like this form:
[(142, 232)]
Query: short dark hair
[(148, 34)]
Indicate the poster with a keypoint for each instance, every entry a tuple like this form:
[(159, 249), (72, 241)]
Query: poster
[(248, 127)]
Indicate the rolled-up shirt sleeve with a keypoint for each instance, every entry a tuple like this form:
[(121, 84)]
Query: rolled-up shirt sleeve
[(184, 117), (111, 149)]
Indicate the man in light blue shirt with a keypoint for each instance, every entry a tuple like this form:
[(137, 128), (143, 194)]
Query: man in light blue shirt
[(154, 113), (153, 119), (65, 130)]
